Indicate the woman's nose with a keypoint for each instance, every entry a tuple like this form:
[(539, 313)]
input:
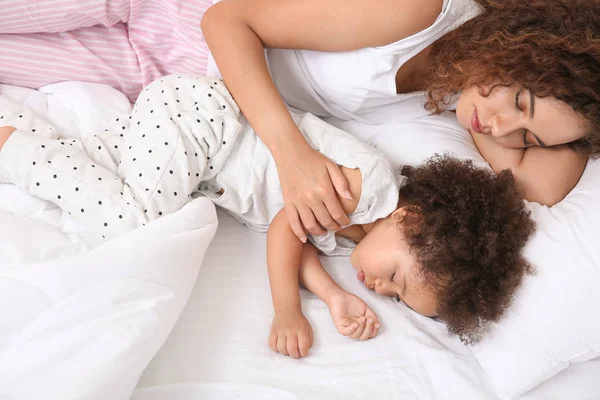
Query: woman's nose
[(501, 126)]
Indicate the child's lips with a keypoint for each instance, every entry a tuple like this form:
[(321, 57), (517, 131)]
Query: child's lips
[(360, 276)]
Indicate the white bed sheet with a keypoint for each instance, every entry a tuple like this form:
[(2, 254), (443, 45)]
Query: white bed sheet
[(218, 348)]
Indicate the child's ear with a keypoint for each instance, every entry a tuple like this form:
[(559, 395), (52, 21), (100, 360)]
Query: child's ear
[(399, 214)]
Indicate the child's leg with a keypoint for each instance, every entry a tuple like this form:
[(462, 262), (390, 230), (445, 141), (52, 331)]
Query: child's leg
[(143, 167), (21, 117), (81, 176), (78, 175), (5, 132), (181, 132)]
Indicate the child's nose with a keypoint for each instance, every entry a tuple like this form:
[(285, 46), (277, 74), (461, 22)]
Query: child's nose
[(379, 286)]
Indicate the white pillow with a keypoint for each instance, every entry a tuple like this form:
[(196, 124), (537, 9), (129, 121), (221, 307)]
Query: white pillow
[(554, 320), (85, 327)]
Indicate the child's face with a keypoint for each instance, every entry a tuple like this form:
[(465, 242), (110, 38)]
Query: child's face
[(385, 265)]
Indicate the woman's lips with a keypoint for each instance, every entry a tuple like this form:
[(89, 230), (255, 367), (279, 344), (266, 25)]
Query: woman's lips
[(475, 124), (360, 276)]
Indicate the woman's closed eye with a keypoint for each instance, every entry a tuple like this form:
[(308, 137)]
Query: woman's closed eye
[(517, 96), (526, 142)]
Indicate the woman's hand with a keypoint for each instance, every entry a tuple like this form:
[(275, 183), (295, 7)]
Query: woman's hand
[(309, 182)]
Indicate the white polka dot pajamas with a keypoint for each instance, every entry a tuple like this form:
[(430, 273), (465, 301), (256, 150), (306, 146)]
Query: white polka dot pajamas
[(143, 166)]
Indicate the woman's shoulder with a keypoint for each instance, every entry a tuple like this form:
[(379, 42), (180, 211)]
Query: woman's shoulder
[(412, 17)]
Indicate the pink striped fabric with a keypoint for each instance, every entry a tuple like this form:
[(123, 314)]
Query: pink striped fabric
[(123, 43)]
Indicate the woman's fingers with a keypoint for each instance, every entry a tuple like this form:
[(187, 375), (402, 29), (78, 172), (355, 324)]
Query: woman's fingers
[(340, 185), (309, 221), (324, 218), (295, 222)]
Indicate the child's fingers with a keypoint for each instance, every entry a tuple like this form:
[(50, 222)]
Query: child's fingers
[(292, 346), (360, 329), (371, 314), (273, 342), (368, 329), (376, 329), (282, 344), (347, 326), (304, 343)]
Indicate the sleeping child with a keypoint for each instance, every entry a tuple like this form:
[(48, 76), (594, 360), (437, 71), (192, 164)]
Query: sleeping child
[(444, 238)]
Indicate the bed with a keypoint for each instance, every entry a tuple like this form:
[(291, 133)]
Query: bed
[(180, 309)]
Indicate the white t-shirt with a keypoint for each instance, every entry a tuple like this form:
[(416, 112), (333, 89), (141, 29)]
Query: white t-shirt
[(252, 192), (358, 85)]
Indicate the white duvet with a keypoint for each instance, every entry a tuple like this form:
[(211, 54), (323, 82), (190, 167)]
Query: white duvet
[(80, 318), (84, 319)]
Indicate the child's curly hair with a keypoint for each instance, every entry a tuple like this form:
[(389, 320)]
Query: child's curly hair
[(550, 47), (466, 228)]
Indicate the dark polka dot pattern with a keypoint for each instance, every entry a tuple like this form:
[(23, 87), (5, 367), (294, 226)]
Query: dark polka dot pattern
[(193, 110)]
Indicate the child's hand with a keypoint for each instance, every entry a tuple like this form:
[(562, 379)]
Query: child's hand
[(291, 334), (353, 317)]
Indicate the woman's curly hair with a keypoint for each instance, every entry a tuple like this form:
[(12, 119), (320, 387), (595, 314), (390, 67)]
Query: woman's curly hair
[(466, 228), (550, 47)]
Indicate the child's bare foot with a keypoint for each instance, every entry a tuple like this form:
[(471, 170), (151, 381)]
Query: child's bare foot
[(5, 132)]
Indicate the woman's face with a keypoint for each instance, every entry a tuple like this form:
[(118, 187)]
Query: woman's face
[(516, 119)]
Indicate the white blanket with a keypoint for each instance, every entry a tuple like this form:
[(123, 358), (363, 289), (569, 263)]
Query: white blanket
[(80, 318)]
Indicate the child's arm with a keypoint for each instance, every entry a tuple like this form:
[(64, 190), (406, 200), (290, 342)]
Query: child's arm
[(350, 314), (291, 333)]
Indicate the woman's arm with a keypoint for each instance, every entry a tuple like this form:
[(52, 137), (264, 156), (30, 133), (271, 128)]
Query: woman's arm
[(236, 32), (545, 175)]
